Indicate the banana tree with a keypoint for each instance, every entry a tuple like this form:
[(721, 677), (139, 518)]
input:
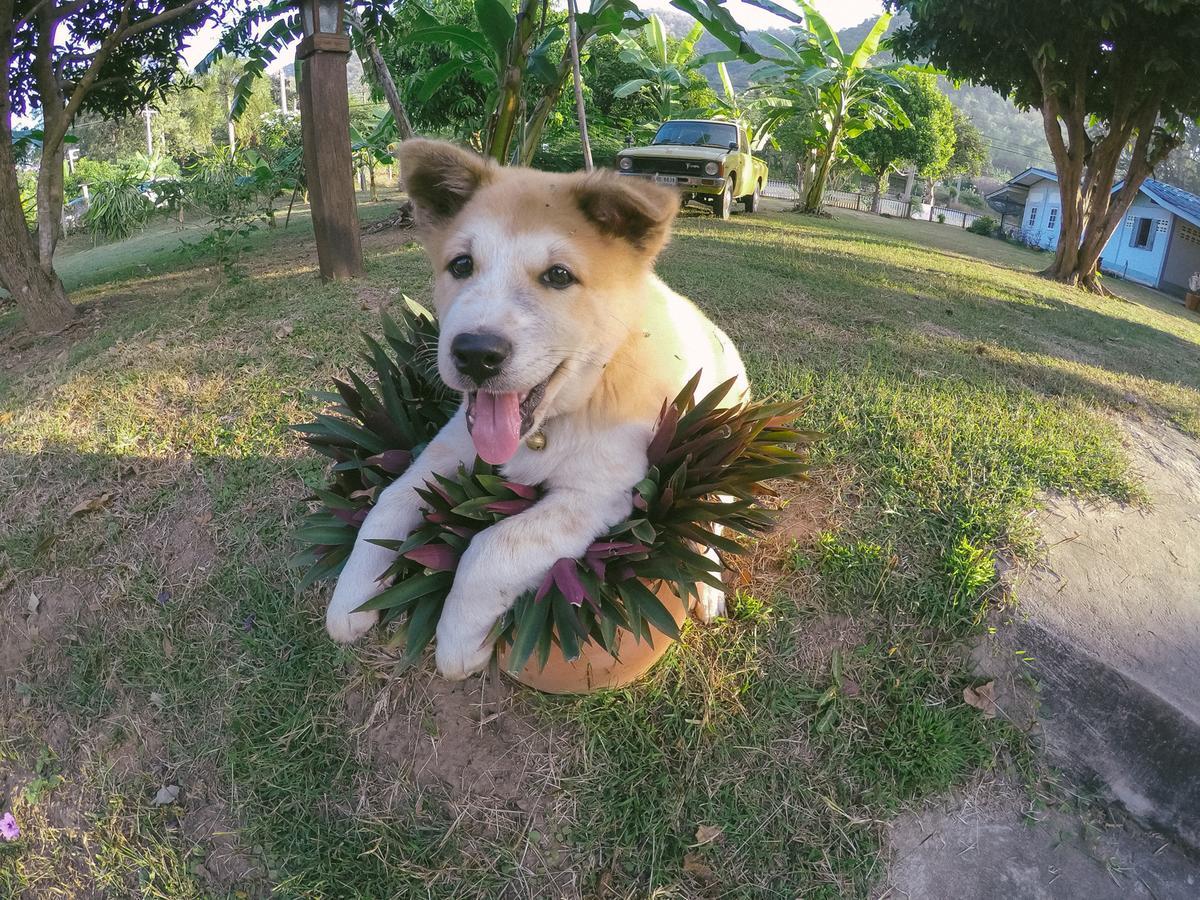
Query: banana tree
[(666, 69), (842, 91), (266, 31), (501, 52), (757, 118), (602, 17)]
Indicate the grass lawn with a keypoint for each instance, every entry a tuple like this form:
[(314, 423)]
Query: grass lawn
[(153, 636)]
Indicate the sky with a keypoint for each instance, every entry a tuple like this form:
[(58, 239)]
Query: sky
[(840, 13)]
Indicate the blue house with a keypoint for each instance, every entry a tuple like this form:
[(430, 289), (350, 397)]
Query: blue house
[(1157, 245)]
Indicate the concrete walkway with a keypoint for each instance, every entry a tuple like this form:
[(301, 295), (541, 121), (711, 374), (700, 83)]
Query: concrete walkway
[(1103, 665)]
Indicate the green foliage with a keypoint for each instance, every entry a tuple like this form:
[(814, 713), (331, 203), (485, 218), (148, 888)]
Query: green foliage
[(970, 155), (699, 451), (926, 143), (665, 67), (27, 185), (119, 207), (839, 94), (984, 225)]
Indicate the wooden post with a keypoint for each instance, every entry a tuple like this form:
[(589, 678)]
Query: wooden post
[(325, 129)]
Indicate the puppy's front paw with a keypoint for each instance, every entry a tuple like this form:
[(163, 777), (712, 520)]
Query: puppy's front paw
[(460, 654), (343, 624), (710, 604)]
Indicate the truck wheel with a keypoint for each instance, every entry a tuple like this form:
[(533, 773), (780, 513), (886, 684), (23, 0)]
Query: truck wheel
[(750, 204), (723, 205)]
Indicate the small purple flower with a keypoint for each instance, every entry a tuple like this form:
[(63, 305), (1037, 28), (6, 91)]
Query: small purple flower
[(163, 596), (9, 830), (249, 622)]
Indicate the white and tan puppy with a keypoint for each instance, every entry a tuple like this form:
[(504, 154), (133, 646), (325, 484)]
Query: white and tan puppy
[(552, 320)]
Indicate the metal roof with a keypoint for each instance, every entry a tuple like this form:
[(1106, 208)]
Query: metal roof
[(1177, 200)]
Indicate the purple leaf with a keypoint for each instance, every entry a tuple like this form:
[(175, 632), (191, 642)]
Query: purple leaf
[(663, 437), (525, 491), (544, 587), (163, 596), (566, 576), (352, 516), (639, 502), (616, 548), (437, 557), (509, 507), (393, 461), (248, 622)]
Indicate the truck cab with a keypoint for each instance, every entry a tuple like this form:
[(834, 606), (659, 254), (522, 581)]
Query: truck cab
[(707, 160)]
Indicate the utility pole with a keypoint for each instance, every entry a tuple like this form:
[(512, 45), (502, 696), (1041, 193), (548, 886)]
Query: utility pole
[(149, 134), (283, 91)]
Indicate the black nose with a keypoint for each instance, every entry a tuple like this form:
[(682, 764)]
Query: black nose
[(480, 356)]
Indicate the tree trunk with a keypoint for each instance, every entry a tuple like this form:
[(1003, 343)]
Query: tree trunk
[(38, 292), (49, 206), (384, 75), (877, 202), (536, 124), (36, 289), (503, 123), (580, 111), (815, 198)]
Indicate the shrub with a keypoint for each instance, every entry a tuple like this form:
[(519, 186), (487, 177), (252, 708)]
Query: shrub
[(985, 225), (118, 208), (941, 218)]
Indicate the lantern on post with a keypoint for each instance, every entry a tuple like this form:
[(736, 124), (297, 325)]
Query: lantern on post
[(321, 60)]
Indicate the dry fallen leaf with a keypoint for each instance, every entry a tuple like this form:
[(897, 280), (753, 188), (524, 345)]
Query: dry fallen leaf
[(93, 505), (158, 699), (694, 865), (34, 602), (168, 648), (284, 330), (166, 795), (204, 518), (707, 834), (983, 698)]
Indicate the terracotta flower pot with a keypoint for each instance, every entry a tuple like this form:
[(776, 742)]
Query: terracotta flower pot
[(596, 670), (1192, 301)]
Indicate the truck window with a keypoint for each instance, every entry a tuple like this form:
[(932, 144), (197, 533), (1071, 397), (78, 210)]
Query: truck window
[(698, 134)]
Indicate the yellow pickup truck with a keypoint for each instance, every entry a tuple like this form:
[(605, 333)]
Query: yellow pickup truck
[(706, 159)]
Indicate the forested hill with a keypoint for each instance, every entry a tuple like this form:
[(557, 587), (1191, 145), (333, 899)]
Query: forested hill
[(1015, 138)]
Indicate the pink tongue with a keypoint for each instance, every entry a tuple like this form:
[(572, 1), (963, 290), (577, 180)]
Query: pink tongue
[(497, 429)]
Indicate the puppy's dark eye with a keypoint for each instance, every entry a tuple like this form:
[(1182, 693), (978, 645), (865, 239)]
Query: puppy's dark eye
[(558, 277), (461, 266)]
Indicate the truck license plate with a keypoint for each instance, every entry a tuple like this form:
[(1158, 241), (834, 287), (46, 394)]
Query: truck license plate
[(666, 179)]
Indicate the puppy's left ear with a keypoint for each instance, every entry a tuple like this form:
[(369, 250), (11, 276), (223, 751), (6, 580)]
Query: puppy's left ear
[(633, 210)]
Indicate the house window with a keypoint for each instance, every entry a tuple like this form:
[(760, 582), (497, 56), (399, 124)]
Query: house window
[(1053, 218), (1033, 211), (1143, 234)]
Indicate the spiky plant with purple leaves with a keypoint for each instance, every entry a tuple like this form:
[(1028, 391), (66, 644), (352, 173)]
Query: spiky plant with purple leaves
[(700, 450)]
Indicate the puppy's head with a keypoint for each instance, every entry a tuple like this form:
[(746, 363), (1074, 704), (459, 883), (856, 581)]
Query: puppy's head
[(537, 278)]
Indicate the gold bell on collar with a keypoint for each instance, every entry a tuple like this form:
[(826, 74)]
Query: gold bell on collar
[(536, 441)]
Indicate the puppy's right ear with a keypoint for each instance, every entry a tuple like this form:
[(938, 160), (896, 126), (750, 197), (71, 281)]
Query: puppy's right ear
[(440, 178)]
